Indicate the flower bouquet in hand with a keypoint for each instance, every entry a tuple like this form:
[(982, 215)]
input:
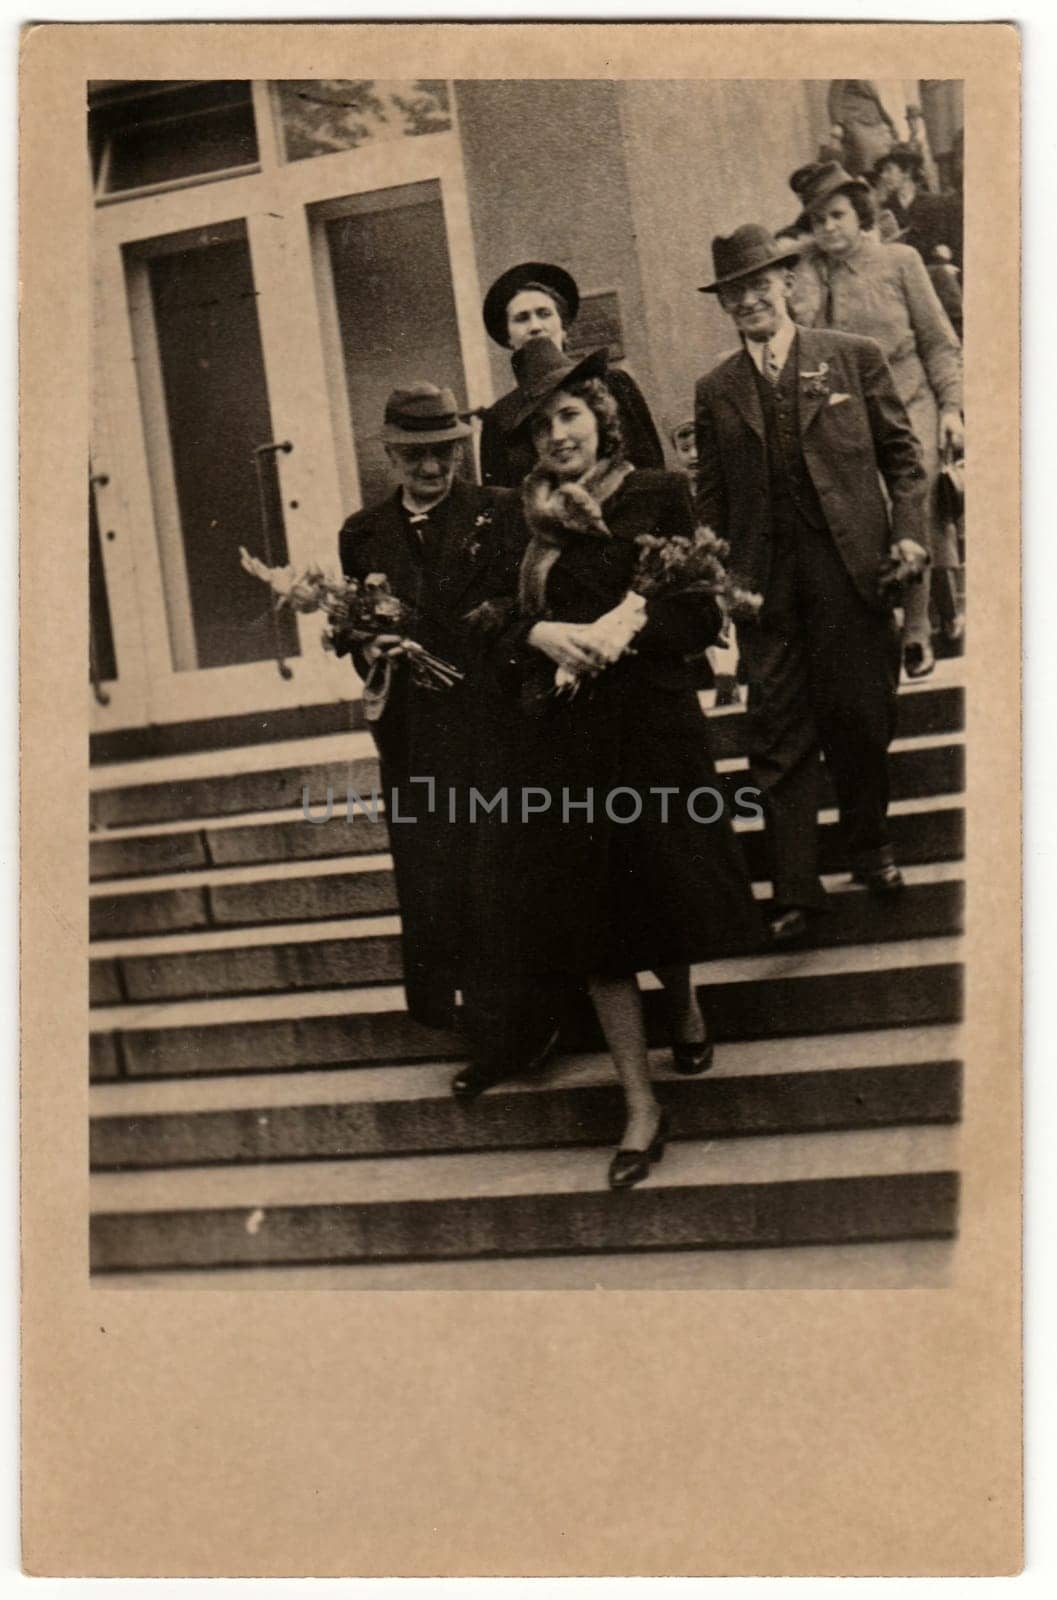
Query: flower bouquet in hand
[(666, 567), (364, 613)]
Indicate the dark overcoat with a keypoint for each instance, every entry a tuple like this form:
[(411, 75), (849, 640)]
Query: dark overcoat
[(449, 737), (507, 457), (597, 895), (853, 428)]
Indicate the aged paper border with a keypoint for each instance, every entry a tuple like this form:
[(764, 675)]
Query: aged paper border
[(336, 1434)]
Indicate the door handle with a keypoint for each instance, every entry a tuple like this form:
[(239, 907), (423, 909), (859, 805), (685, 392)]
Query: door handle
[(96, 480), (265, 463)]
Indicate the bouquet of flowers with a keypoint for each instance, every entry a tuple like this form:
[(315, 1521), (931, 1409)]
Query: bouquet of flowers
[(358, 613), (672, 566)]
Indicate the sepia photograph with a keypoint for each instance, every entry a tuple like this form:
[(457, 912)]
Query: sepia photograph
[(528, 612)]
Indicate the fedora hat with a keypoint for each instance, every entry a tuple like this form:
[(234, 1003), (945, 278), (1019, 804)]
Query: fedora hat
[(750, 248), (527, 275), (819, 180), (422, 414), (541, 369)]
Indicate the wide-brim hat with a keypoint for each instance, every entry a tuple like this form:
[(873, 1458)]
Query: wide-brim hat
[(422, 413), (750, 248), (552, 279), (541, 369), (820, 181), (907, 156)]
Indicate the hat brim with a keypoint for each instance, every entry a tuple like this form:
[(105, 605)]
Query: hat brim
[(592, 366), (788, 258), (511, 282), (391, 434)]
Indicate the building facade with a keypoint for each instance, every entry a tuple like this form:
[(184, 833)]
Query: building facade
[(271, 258)]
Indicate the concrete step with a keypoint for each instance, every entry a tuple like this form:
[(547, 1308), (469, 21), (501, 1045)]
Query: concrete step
[(907, 983), (924, 910), (810, 1189), (708, 1108), (897, 1264), (168, 801), (429, 1080), (246, 895)]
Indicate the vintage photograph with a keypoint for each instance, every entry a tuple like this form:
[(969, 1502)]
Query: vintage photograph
[(527, 548)]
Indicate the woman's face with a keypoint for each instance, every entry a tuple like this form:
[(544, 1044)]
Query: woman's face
[(565, 433), (835, 226), (533, 315)]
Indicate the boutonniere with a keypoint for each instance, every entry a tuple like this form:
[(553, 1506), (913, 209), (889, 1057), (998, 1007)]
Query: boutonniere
[(815, 382), (481, 523)]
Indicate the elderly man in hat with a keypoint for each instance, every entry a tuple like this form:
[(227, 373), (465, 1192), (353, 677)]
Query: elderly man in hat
[(794, 434), (446, 546)]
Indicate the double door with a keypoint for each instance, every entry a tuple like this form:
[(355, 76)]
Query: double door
[(247, 332)]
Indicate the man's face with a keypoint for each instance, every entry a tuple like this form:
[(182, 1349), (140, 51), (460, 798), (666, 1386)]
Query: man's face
[(531, 314), (757, 304), (425, 471), (889, 179)]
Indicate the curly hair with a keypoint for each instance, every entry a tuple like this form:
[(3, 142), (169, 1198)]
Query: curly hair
[(600, 402)]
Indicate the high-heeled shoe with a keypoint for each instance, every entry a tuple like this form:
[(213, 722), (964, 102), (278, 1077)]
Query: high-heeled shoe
[(631, 1166), (690, 1058)]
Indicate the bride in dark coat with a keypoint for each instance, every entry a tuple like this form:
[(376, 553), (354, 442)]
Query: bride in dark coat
[(624, 864)]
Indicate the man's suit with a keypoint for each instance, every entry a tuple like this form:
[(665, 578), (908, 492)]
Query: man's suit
[(467, 550), (790, 475)]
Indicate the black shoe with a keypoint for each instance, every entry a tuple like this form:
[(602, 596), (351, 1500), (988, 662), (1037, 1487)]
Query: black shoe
[(537, 1062), (919, 661), (631, 1166), (788, 928), (881, 880), (472, 1081), (691, 1059)]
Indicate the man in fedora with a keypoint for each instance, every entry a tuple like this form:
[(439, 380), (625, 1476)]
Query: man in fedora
[(795, 433), (445, 546)]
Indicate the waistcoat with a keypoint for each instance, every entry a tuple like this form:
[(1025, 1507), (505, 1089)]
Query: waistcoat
[(792, 491)]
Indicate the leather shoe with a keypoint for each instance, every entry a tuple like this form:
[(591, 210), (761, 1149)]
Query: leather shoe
[(918, 661), (881, 880), (472, 1081), (631, 1166), (788, 928), (690, 1059)]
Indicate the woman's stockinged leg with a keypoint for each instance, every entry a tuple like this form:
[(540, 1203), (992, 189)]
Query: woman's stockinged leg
[(686, 1023), (619, 1006)]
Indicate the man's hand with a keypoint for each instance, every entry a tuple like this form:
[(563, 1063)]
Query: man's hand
[(907, 560), (384, 644), (952, 432)]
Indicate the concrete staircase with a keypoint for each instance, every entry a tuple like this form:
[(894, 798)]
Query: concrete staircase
[(264, 1112)]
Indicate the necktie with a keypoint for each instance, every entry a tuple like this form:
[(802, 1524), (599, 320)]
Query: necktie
[(772, 371)]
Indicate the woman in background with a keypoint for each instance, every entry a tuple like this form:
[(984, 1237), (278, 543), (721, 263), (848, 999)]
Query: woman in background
[(536, 300), (884, 292)]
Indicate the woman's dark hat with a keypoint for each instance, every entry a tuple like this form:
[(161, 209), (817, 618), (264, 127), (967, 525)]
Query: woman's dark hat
[(541, 369), (508, 284), (422, 414), (820, 180), (907, 156), (749, 249)]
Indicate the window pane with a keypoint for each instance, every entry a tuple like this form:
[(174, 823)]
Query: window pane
[(180, 132), (216, 414), (321, 115), (396, 311)]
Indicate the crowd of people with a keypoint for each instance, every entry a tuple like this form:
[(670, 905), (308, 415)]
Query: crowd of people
[(814, 453)]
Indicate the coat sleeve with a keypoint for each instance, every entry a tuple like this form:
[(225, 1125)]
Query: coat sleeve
[(937, 342), (495, 470), (684, 624), (711, 490), (642, 444), (899, 456)]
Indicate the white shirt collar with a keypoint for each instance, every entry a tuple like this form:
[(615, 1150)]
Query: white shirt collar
[(781, 344)]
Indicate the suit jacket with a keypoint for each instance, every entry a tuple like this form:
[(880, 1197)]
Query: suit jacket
[(854, 432), (506, 458)]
